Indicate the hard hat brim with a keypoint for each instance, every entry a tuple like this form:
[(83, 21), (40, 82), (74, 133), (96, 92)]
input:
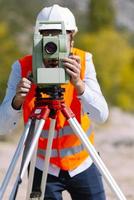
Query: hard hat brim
[(50, 27)]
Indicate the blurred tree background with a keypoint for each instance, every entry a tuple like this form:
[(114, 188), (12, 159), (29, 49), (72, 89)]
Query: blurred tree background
[(112, 46)]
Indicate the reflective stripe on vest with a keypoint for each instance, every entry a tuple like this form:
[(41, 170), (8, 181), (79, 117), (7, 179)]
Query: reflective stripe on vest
[(67, 130), (66, 151)]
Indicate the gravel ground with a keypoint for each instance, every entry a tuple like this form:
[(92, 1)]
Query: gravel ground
[(114, 141)]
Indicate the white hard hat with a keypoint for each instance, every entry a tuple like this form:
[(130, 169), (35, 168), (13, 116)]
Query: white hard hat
[(57, 13)]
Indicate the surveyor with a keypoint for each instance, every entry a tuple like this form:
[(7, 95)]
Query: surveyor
[(71, 167)]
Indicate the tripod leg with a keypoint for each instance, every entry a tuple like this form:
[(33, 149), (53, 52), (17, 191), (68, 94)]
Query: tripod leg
[(14, 159), (28, 142), (95, 157), (91, 150), (47, 157), (28, 157), (38, 131), (32, 165), (40, 114), (31, 173)]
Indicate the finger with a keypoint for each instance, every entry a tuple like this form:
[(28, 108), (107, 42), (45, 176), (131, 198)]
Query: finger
[(74, 62), (24, 83), (73, 68), (71, 73), (26, 80), (76, 58), (23, 90)]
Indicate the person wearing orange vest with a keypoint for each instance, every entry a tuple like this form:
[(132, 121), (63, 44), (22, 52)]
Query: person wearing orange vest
[(71, 168)]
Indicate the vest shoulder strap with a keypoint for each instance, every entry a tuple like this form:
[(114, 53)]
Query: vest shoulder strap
[(26, 65), (82, 55)]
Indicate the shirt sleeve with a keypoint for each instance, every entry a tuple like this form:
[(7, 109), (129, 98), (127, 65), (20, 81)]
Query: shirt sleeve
[(9, 117), (93, 101)]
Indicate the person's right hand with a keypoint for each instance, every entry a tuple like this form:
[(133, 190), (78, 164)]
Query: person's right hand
[(22, 90)]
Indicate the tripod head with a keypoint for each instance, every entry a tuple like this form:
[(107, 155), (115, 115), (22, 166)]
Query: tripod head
[(54, 92), (50, 96)]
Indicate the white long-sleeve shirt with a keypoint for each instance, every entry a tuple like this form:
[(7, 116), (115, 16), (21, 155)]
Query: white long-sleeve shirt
[(92, 100)]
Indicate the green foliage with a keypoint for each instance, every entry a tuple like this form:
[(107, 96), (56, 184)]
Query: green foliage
[(101, 14), (19, 17), (8, 52), (114, 62), (19, 14)]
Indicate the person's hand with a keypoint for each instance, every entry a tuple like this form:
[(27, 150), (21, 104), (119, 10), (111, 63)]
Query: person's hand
[(22, 90), (73, 68)]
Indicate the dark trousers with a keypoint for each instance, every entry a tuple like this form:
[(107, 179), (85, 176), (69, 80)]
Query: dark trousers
[(86, 185)]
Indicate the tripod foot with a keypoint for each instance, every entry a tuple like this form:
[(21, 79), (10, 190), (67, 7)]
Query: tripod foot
[(36, 194)]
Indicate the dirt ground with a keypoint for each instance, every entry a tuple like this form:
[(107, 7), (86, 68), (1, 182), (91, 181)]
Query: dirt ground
[(114, 141)]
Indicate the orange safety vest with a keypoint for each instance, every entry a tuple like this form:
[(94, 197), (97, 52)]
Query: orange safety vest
[(67, 150)]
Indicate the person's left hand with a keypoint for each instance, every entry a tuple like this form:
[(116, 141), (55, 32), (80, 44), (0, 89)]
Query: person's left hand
[(73, 68)]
